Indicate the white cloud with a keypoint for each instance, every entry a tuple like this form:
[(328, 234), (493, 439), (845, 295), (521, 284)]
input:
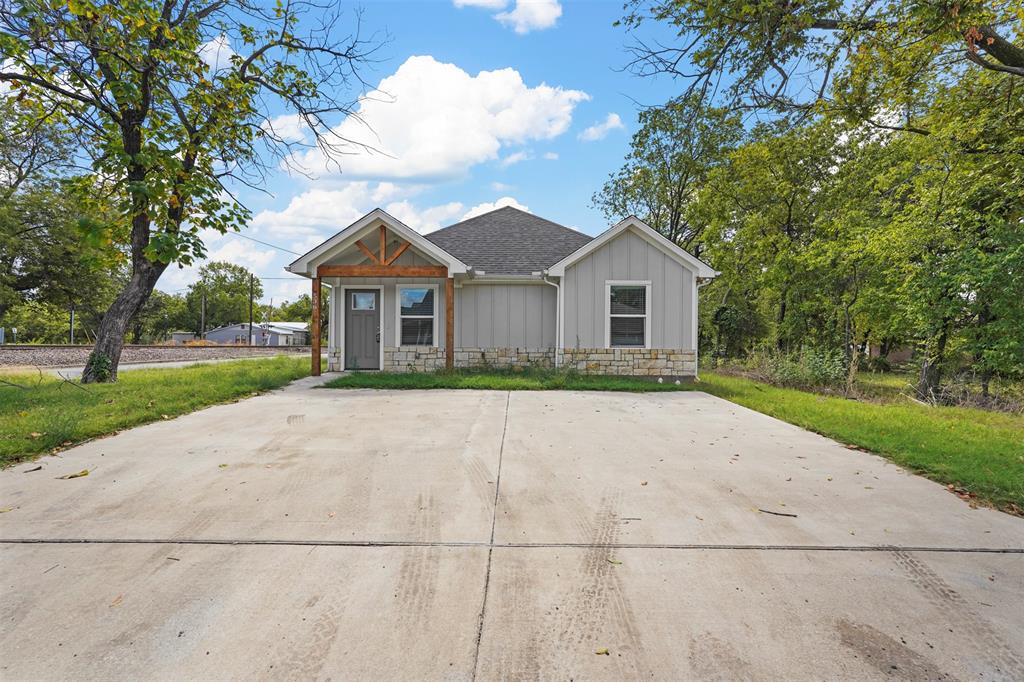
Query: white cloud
[(315, 213), (432, 121), (501, 187), (216, 52), (485, 4), (425, 220), (551, 156), (512, 159), (531, 15), (289, 127), (599, 131), (487, 207)]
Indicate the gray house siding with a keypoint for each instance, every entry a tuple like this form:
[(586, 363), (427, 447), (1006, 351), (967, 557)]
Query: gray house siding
[(505, 316), (628, 257)]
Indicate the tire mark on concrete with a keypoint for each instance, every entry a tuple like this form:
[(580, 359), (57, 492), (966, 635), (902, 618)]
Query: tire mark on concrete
[(418, 574), (595, 610), (977, 634)]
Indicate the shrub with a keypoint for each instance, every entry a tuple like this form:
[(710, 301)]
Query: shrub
[(810, 368)]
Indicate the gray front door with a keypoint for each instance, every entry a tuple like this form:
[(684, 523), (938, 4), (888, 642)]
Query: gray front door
[(362, 329)]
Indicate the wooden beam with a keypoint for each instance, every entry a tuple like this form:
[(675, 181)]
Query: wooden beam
[(383, 245), (393, 257), (315, 332), (382, 271), (449, 323), (366, 250)]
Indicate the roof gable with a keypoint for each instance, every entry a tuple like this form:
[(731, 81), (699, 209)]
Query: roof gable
[(648, 233), (508, 241), (306, 264)]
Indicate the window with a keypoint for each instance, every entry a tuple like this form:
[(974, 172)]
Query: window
[(628, 307), (416, 317), (364, 301)]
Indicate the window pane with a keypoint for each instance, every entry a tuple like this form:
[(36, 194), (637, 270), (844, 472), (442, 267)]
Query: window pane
[(364, 301), (629, 300), (417, 301), (627, 331), (417, 332)]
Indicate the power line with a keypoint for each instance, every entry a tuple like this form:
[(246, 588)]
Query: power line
[(258, 241)]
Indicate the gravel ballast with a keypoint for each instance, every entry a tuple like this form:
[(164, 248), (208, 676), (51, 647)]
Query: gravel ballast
[(76, 356)]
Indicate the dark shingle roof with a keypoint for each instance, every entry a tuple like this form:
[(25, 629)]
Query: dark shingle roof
[(508, 241)]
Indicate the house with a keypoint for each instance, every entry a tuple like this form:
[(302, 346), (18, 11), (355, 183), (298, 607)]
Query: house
[(506, 288), (182, 337), (263, 334)]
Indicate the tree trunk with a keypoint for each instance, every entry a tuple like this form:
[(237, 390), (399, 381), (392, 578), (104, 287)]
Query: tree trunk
[(931, 368), (110, 335), (780, 342)]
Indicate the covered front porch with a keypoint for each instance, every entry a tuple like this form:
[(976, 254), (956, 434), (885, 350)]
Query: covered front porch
[(392, 298)]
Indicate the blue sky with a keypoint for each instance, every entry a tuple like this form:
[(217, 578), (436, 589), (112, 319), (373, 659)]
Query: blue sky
[(484, 102)]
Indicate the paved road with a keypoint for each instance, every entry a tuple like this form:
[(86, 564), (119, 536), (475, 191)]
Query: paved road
[(314, 534)]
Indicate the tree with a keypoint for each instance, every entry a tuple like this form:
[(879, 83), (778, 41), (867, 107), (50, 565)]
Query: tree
[(225, 289), (167, 121), (877, 63), (299, 310), (162, 314), (669, 159)]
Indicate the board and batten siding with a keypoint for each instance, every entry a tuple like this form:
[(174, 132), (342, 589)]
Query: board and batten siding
[(505, 315), (628, 257)]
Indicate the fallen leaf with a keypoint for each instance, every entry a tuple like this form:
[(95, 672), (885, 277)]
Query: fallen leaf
[(29, 471), (643, 482), (330, 515), (602, 652), (613, 561), (35, 434), (6, 509), (117, 601), (77, 474), (164, 416), (222, 466)]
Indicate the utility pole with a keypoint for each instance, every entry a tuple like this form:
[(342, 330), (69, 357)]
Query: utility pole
[(71, 327), (250, 307), (202, 317)]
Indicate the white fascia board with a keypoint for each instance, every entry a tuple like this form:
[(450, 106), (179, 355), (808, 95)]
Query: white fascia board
[(652, 236), (305, 264)]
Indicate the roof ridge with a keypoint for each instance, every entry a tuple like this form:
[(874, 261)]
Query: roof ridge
[(517, 210)]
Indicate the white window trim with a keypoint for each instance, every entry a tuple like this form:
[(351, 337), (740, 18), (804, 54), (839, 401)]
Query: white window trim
[(608, 310), (344, 304), (398, 313)]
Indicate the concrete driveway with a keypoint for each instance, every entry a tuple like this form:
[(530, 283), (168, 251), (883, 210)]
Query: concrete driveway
[(315, 534)]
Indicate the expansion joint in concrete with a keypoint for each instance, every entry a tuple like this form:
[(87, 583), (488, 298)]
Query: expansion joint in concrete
[(490, 548)]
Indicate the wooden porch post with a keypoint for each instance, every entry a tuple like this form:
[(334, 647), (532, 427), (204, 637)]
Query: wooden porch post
[(315, 332), (449, 323)]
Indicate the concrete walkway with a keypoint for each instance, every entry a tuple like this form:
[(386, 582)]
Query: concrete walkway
[(314, 534)]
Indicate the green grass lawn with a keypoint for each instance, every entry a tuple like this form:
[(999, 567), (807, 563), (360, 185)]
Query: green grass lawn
[(976, 450), (500, 380), (49, 414)]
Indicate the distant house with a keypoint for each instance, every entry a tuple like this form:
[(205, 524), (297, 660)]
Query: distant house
[(263, 334), (179, 338)]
